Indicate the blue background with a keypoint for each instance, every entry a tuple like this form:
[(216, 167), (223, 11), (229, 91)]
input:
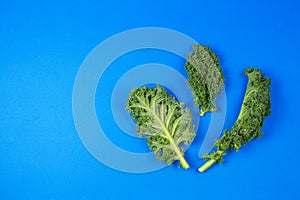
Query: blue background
[(42, 45)]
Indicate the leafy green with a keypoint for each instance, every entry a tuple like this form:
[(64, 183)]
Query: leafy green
[(256, 106), (205, 77), (164, 121)]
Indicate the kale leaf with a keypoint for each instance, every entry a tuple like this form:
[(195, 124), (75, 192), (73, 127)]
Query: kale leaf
[(205, 77), (164, 121), (255, 108)]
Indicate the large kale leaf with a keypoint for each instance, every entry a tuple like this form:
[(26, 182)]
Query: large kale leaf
[(255, 108), (164, 121)]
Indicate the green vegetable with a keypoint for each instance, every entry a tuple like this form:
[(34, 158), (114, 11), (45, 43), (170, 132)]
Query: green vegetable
[(204, 77), (164, 121), (256, 106)]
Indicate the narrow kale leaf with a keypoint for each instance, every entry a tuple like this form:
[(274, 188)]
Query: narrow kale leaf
[(255, 108), (205, 77), (164, 121)]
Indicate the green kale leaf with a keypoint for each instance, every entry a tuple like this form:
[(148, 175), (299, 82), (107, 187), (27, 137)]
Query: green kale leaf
[(255, 108), (164, 121), (205, 77)]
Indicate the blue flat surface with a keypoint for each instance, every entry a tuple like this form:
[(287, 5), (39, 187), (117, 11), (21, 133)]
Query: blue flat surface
[(44, 43)]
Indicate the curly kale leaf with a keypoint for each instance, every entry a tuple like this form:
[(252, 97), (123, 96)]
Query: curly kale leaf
[(205, 77), (255, 108), (164, 121)]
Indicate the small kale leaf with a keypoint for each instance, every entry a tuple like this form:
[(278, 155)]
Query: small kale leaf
[(205, 77)]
